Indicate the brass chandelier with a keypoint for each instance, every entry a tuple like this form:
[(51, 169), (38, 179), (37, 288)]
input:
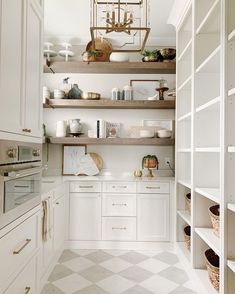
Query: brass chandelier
[(126, 18)]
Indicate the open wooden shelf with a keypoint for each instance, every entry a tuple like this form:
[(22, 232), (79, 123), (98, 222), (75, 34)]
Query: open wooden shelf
[(113, 141), (108, 104), (112, 67)]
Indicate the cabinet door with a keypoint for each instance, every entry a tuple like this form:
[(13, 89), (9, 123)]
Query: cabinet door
[(11, 53), (33, 71), (153, 217), (59, 222), (85, 216)]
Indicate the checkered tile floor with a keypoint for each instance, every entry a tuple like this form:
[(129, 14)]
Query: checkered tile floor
[(118, 271)]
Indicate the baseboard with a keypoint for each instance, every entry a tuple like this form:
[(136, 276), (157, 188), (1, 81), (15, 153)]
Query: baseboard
[(119, 245)]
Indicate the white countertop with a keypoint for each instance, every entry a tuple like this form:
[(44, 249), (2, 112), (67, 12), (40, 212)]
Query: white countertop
[(51, 182)]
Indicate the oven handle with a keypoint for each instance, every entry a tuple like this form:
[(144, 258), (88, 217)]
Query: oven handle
[(22, 173)]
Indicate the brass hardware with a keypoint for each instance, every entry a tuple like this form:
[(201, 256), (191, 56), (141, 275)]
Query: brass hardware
[(26, 130), (36, 152), (12, 153), (119, 204), (124, 187), (86, 187), (57, 203), (27, 290), (121, 228), (152, 187), (27, 241)]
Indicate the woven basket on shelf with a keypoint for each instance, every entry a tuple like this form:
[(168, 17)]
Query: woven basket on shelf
[(215, 218), (187, 237), (212, 264), (188, 201)]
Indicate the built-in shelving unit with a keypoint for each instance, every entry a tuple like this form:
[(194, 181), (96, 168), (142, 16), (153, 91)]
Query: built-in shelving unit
[(110, 104), (112, 141), (111, 67)]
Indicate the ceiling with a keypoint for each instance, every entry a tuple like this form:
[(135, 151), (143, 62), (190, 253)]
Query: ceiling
[(69, 21)]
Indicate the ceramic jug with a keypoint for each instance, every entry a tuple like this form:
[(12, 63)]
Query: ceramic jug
[(75, 126)]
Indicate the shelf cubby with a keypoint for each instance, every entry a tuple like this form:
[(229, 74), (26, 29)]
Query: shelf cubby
[(231, 121), (208, 60), (184, 134), (185, 215), (202, 275), (184, 170), (202, 11), (181, 193), (208, 236), (185, 33), (184, 101), (230, 163), (231, 68), (180, 241), (185, 66), (185, 183), (231, 19), (210, 193)]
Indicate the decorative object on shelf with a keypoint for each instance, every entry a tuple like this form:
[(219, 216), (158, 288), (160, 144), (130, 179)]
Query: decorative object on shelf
[(138, 173), (142, 89), (160, 124), (45, 94), (141, 132), (66, 52), (172, 93), (187, 237), (152, 56), (66, 87), (214, 212), (116, 94), (71, 158), (113, 130), (89, 56), (124, 21), (164, 133), (168, 54), (162, 88), (59, 94), (48, 52), (127, 93), (119, 57), (150, 162), (102, 48), (147, 133), (212, 264), (61, 128), (75, 126), (76, 135), (75, 92), (90, 96), (188, 201)]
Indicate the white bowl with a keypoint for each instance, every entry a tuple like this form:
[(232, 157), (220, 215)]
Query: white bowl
[(146, 133), (164, 133), (119, 57)]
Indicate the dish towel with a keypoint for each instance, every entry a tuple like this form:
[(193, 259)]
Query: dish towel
[(46, 220)]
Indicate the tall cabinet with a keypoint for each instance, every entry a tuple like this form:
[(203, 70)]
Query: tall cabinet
[(205, 149)]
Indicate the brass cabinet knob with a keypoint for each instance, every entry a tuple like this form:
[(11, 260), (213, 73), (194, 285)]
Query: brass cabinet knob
[(12, 153), (36, 152), (26, 130)]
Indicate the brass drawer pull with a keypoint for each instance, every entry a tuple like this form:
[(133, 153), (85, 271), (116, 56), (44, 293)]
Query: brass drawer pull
[(147, 187), (27, 241), (27, 290), (124, 187), (121, 228), (119, 204), (26, 130), (86, 187)]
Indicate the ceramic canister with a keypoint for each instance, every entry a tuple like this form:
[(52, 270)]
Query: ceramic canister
[(61, 128)]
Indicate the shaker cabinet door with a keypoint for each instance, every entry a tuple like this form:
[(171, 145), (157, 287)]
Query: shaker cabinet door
[(11, 52), (59, 223), (153, 217)]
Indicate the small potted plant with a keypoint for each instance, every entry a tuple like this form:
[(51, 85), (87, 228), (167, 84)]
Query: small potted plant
[(89, 56), (151, 56)]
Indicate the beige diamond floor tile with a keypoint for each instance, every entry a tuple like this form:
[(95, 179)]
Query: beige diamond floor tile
[(72, 283), (116, 252), (67, 255), (60, 271), (137, 290), (167, 257), (79, 264), (115, 284), (51, 289), (84, 252), (99, 256), (183, 290), (96, 273), (136, 274), (134, 257), (153, 265), (159, 285), (116, 264), (92, 290), (174, 274)]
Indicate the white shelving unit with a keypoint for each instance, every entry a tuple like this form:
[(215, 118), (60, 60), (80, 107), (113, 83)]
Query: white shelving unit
[(205, 145)]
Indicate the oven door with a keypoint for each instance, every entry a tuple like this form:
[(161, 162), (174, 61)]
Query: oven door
[(20, 193)]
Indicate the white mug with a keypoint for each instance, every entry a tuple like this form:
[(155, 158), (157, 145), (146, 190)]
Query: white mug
[(61, 128)]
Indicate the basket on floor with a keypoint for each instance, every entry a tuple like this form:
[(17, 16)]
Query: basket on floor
[(214, 213), (188, 201), (212, 264), (187, 237)]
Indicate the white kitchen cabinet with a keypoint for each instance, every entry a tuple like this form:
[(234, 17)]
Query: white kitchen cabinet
[(85, 216), (153, 217), (59, 215), (26, 282), (20, 67)]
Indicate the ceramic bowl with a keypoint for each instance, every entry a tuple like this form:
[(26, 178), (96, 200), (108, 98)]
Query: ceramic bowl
[(168, 53), (164, 133), (146, 133), (119, 57)]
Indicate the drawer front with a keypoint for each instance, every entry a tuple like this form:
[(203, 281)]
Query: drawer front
[(153, 187), (17, 246), (86, 187), (119, 205), (26, 281), (119, 229), (119, 187)]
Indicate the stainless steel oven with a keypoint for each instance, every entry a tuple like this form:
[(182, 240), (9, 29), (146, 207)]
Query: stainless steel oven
[(20, 179)]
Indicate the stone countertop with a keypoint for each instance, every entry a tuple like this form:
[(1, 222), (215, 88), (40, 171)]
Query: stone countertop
[(51, 182)]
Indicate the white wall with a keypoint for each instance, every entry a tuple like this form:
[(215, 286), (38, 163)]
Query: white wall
[(125, 158)]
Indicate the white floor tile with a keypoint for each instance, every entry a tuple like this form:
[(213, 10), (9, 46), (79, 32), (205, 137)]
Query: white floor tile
[(153, 265), (116, 264), (115, 284), (159, 285), (79, 264)]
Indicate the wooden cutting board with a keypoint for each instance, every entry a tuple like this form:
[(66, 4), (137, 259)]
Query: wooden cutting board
[(97, 159)]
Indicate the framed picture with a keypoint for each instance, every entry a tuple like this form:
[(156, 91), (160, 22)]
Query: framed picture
[(72, 155), (113, 130), (143, 89)]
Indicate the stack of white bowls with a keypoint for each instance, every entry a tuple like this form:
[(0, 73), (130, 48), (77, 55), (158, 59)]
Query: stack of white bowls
[(59, 94), (45, 94)]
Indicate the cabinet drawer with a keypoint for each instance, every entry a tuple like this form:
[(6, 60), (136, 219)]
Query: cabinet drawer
[(153, 187), (119, 187), (119, 229), (119, 205), (85, 187), (17, 246), (26, 281)]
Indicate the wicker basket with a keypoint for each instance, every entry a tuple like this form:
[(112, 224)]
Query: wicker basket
[(212, 264), (188, 201), (215, 218), (187, 237)]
